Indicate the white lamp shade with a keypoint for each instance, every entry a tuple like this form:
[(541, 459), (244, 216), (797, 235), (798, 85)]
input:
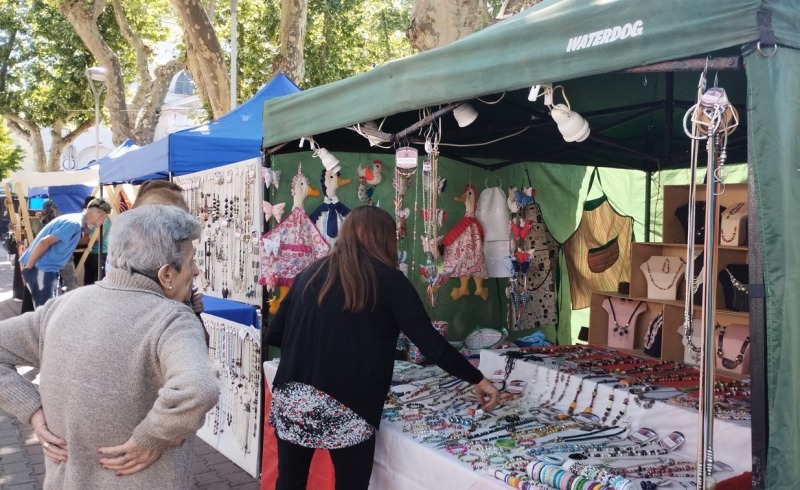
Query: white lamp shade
[(406, 157), (329, 161), (96, 73), (465, 114), (573, 127)]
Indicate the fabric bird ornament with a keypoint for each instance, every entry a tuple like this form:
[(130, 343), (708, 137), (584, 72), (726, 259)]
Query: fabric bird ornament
[(273, 210)]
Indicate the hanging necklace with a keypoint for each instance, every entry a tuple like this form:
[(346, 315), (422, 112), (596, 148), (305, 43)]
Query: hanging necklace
[(653, 330), (622, 330), (740, 295), (731, 363)]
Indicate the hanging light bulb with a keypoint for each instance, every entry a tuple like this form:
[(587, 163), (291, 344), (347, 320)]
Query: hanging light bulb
[(573, 127), (465, 115), (329, 160)]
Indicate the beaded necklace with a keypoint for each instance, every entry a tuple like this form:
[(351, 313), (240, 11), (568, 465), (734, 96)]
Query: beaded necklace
[(622, 330), (666, 270)]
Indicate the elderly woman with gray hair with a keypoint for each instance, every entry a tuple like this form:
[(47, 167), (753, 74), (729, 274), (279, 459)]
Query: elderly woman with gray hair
[(125, 374)]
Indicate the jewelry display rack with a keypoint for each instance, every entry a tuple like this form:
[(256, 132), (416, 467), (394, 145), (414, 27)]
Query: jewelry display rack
[(233, 426), (672, 311), (226, 201)]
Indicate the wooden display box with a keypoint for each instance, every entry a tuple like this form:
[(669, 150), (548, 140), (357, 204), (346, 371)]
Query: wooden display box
[(676, 196), (672, 348), (641, 252)]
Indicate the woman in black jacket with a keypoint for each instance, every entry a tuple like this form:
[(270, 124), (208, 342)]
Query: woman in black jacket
[(337, 329)]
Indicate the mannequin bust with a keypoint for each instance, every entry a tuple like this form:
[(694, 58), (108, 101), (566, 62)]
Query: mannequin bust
[(682, 214), (734, 279), (652, 338), (623, 314), (663, 275), (733, 348), (689, 356), (733, 226)]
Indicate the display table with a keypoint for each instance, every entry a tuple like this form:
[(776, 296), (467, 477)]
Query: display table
[(231, 310), (405, 462), (401, 462), (732, 443)]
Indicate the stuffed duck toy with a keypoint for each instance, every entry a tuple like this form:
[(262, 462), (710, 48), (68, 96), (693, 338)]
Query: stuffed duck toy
[(292, 245), (463, 249), (329, 215)]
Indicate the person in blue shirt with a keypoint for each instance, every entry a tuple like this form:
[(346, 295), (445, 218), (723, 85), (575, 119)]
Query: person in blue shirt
[(53, 247)]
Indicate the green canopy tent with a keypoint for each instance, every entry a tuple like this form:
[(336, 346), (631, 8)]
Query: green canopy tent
[(630, 67)]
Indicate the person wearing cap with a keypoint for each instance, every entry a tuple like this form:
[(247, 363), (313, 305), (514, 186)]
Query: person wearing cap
[(53, 247)]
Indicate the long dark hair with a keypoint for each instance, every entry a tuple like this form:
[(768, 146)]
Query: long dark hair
[(367, 234)]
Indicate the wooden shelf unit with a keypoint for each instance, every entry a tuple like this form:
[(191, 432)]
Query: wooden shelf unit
[(674, 245)]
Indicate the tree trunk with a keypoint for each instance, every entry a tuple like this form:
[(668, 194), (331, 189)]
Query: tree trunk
[(204, 55), (32, 135), (85, 25), (290, 60), (62, 141), (150, 110), (511, 7), (435, 23)]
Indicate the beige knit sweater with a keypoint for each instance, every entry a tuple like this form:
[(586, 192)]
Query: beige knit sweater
[(116, 359)]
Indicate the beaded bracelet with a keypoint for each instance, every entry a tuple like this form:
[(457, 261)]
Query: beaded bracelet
[(468, 458), (456, 449)]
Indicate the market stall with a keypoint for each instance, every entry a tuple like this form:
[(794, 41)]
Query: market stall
[(629, 70)]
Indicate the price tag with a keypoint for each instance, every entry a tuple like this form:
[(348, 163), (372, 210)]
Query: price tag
[(643, 436), (672, 441)]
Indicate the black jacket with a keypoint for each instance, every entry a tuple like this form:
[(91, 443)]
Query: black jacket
[(351, 356)]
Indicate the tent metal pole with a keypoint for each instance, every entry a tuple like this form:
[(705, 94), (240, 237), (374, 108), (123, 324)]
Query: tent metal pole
[(648, 196), (718, 63), (705, 440)]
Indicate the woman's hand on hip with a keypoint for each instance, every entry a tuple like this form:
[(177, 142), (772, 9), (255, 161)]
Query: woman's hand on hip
[(487, 395), (54, 447), (128, 458)]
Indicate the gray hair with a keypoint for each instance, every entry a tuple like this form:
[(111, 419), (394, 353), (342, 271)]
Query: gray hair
[(146, 238)]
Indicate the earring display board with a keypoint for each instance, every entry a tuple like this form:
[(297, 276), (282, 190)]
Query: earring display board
[(232, 427), (226, 203)]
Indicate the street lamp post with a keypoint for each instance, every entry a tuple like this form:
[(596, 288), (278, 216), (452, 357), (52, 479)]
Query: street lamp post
[(97, 78)]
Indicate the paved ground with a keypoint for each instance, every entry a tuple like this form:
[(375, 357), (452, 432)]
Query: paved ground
[(21, 456)]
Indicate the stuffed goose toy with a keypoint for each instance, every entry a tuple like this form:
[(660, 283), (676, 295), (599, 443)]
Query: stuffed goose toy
[(463, 249), (329, 215), (292, 245)]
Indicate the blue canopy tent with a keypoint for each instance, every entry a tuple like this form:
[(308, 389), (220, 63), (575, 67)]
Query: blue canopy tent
[(234, 137), (125, 147)]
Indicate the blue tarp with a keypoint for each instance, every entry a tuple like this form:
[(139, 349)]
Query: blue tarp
[(234, 137), (68, 198)]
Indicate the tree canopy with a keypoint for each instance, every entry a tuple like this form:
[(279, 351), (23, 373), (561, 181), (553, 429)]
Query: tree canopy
[(46, 46)]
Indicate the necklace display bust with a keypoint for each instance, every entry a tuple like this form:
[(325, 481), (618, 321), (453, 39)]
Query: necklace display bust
[(623, 314), (663, 275), (733, 226), (733, 348)]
